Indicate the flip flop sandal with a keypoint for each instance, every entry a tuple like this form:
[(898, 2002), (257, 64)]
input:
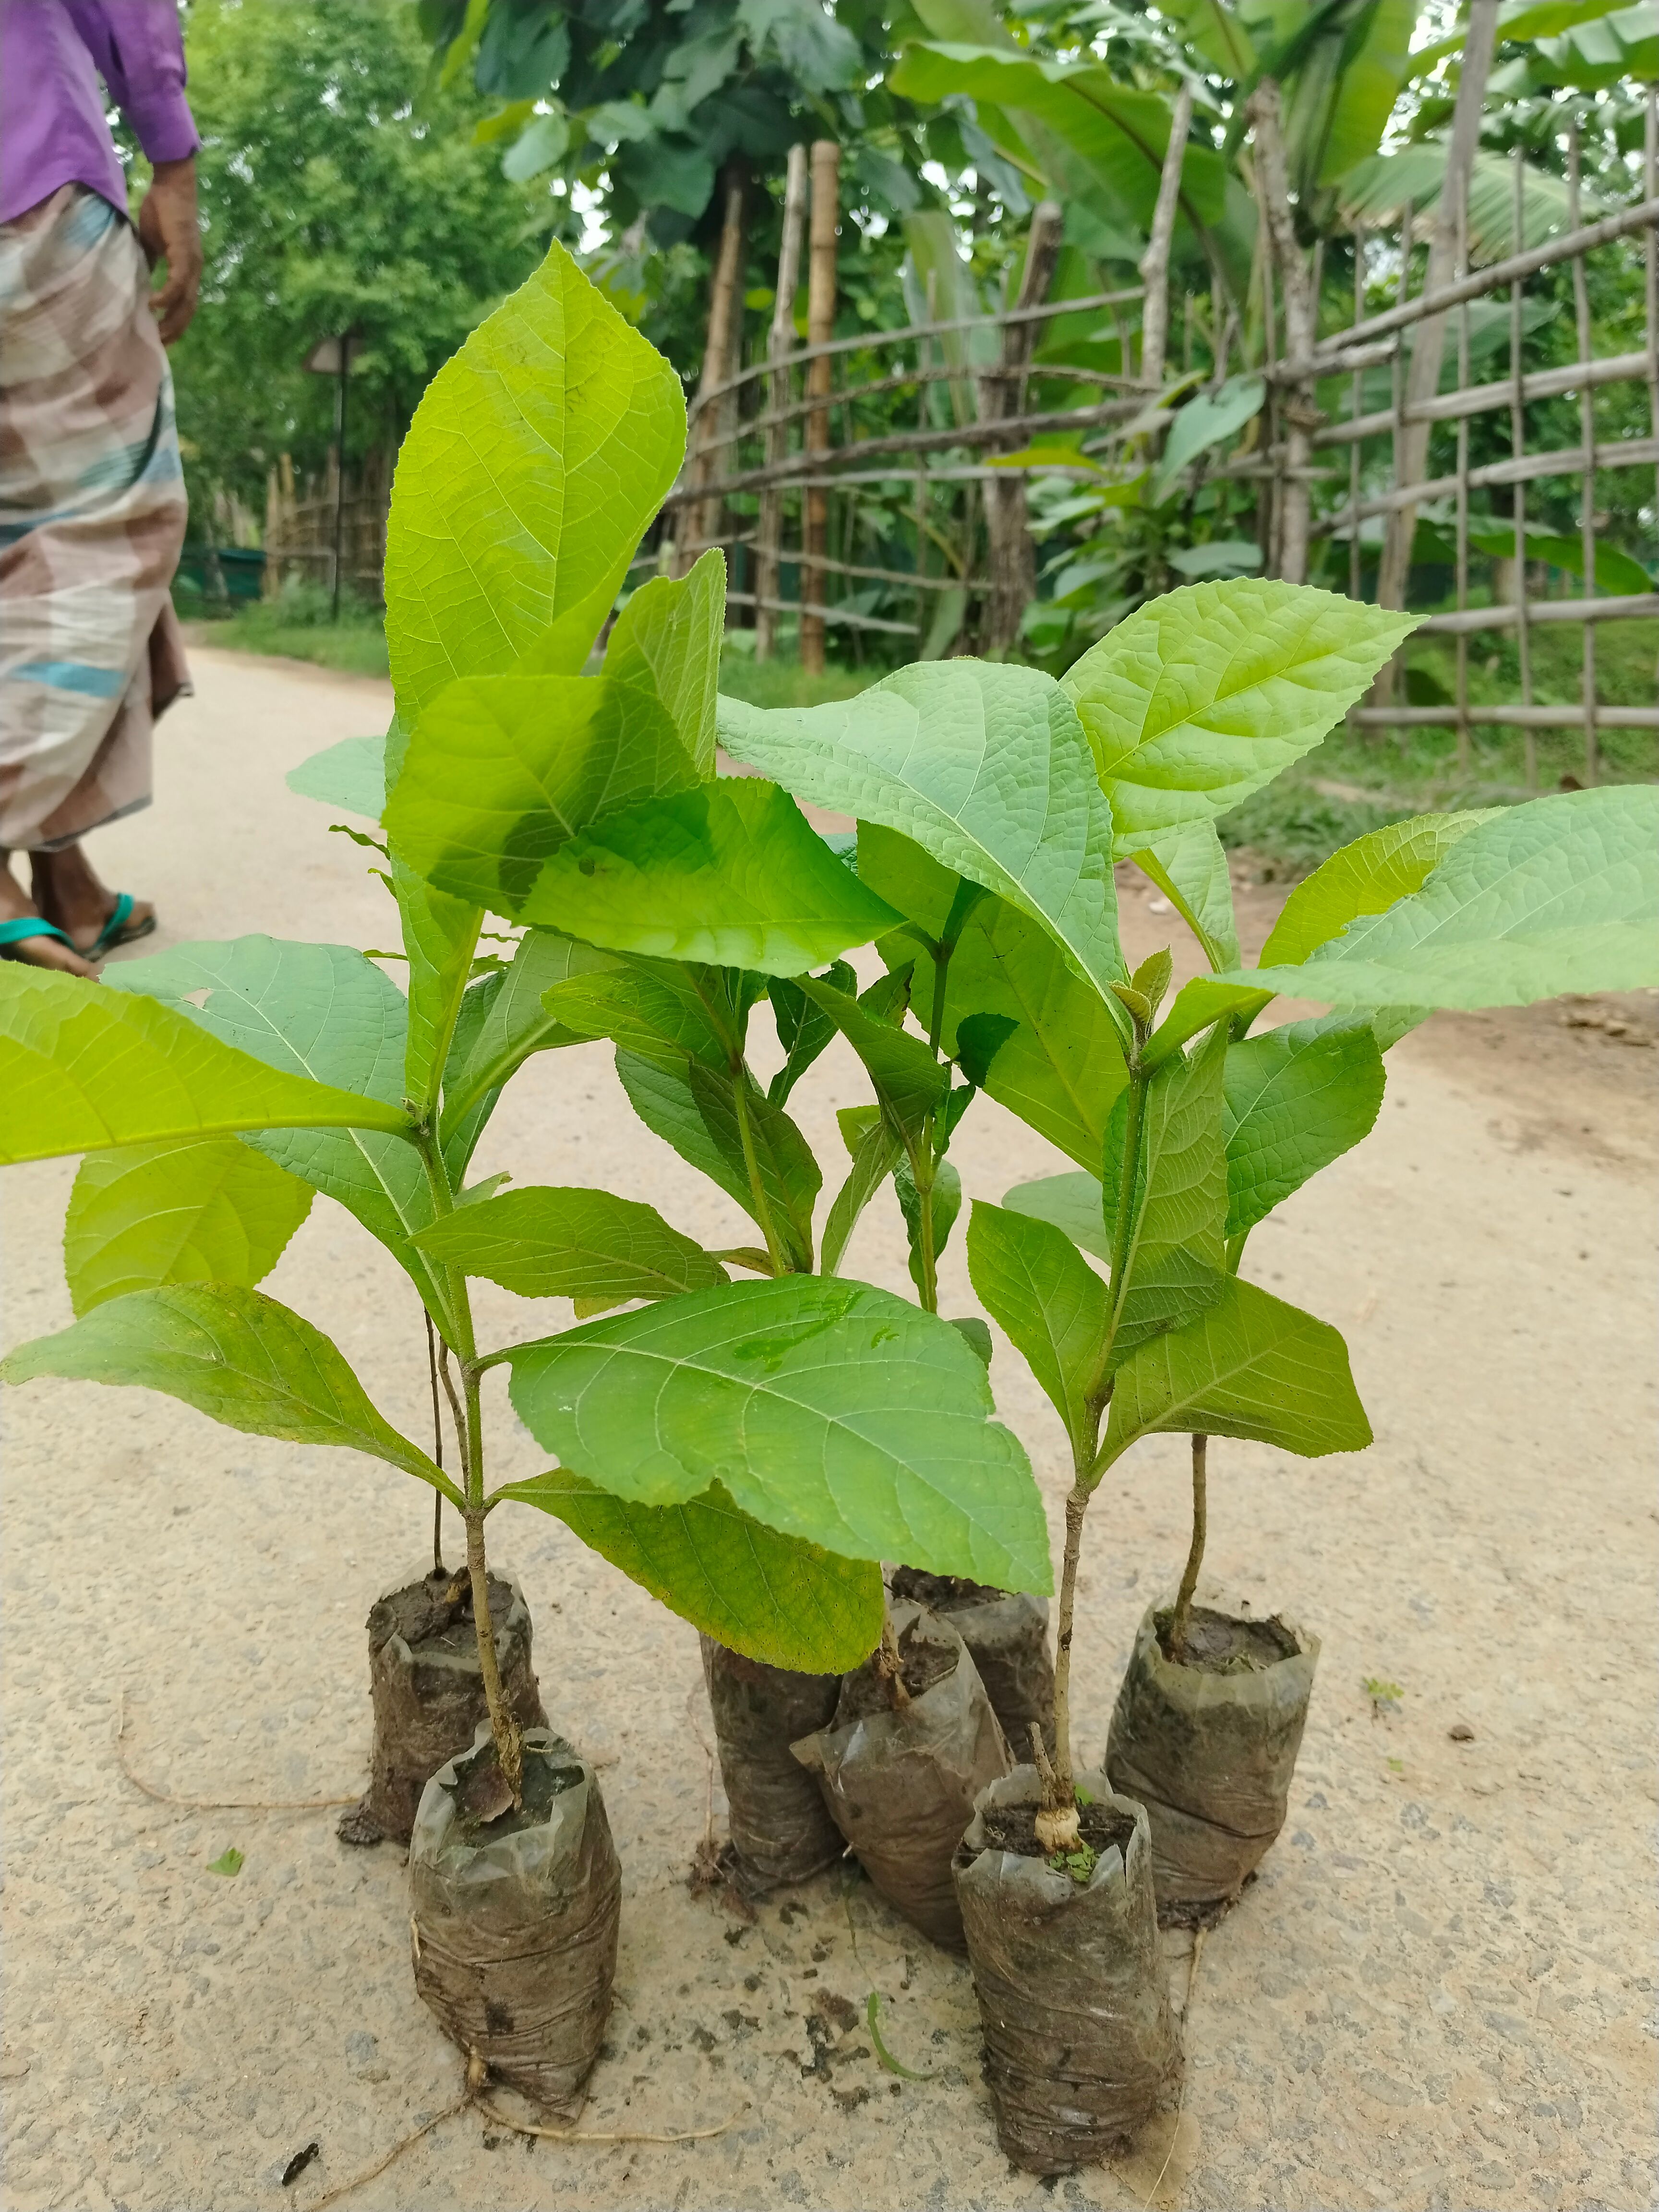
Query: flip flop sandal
[(115, 931), (28, 926)]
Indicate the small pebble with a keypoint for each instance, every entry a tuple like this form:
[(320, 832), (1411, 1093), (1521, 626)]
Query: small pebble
[(1461, 1732)]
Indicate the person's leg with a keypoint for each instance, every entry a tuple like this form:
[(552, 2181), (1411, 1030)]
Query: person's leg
[(16, 905), (68, 891)]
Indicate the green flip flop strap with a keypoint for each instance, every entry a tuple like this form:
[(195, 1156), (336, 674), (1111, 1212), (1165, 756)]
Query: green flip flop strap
[(120, 915), (30, 925)]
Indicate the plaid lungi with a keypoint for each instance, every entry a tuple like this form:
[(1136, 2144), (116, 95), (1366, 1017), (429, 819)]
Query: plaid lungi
[(92, 518)]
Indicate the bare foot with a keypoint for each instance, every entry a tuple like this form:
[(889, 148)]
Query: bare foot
[(38, 951), (68, 891)]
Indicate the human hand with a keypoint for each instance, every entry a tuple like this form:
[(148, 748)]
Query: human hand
[(169, 231)]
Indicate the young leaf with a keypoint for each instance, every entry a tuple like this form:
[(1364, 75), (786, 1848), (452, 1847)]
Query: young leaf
[(664, 1012), (234, 1355), (667, 640), (198, 1210), (350, 776), (503, 771), (1199, 698), (728, 875), (320, 1011), (1189, 866), (571, 1243), (804, 1030), (513, 1023), (771, 1597), (947, 1204), (979, 1039), (1070, 1203), (1250, 1366), (693, 1107), (1561, 894), (440, 935), (831, 1411), (1049, 1302), (876, 1153), (1367, 877), (1297, 1098), (537, 457), (81, 1069), (984, 766), (908, 1082), (1197, 1004), (1177, 1250)]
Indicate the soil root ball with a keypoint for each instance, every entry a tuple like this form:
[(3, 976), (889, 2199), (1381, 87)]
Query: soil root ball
[(900, 1780), (1081, 2048), (514, 1919), (1007, 1633), (1209, 1746), (428, 1692), (781, 1831)]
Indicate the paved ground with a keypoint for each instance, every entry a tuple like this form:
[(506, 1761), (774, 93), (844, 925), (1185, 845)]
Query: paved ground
[(1439, 1994)]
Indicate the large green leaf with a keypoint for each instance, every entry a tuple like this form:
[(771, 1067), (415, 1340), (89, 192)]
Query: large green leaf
[(728, 875), (1559, 894), (667, 640), (571, 1243), (195, 1210), (1367, 877), (1343, 123), (81, 1069), (1199, 698), (1033, 1282), (503, 769), (1297, 1098), (440, 935), (693, 1107), (350, 776), (1205, 421), (1177, 1243), (535, 460), (513, 1023), (830, 1410), (1250, 1366), (234, 1354), (983, 766), (772, 1597), (664, 1012), (312, 1010), (1063, 1065)]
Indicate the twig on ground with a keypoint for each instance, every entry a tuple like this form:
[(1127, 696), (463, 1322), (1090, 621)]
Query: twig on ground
[(477, 2074), (216, 1804), (1181, 2102), (576, 2135)]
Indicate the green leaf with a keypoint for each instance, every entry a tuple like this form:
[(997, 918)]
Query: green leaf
[(804, 1030), (984, 766), (1297, 1098), (503, 771), (440, 935), (1197, 1004), (82, 1069), (1199, 698), (543, 1243), (197, 1210), (693, 1107), (871, 2016), (1189, 866), (979, 1039), (1071, 1203), (350, 776), (729, 875), (909, 1084), (1250, 1366), (831, 1411), (947, 1204), (1559, 894), (1204, 422), (229, 1863), (876, 1153), (1177, 1250), (1050, 1303), (537, 457), (320, 1011), (513, 1023), (234, 1354), (667, 640), (664, 1014), (771, 1597), (1367, 877)]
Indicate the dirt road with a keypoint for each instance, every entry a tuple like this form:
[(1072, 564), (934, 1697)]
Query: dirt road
[(1439, 1994)]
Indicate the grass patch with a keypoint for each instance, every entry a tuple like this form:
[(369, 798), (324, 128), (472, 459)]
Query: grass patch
[(1294, 826), (787, 683), (353, 646)]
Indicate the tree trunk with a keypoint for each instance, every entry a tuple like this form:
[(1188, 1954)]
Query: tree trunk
[(1297, 410), (1155, 262), (1013, 562), (779, 344), (710, 457), (820, 329)]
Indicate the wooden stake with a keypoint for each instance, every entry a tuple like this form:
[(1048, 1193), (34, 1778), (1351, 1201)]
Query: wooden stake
[(779, 344), (1012, 559), (700, 523), (820, 328), (1155, 262), (1296, 412)]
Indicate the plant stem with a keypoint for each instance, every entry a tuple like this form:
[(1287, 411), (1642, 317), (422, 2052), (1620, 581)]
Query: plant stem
[(1181, 1620), (437, 1448), (1057, 1824), (888, 1664)]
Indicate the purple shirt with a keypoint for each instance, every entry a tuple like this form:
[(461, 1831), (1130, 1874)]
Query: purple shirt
[(52, 130)]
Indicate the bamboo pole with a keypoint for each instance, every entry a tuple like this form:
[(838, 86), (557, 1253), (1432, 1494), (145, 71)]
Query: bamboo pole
[(820, 327), (1517, 451), (1296, 412), (1155, 262), (703, 516), (1012, 559), (1587, 479), (780, 343)]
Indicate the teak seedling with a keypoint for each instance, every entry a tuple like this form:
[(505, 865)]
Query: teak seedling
[(749, 1452), (1187, 1128)]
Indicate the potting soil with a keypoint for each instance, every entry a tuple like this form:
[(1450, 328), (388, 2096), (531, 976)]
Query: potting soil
[(1007, 1633)]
